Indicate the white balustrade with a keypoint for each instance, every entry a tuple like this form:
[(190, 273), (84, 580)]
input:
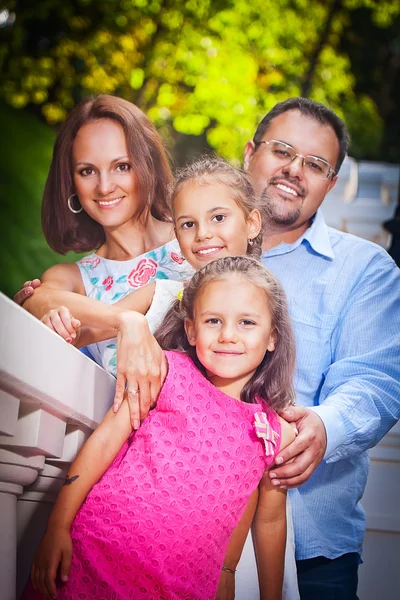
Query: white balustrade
[(51, 398), (364, 197)]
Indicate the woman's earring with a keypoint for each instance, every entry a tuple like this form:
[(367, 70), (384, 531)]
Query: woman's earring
[(250, 242), (73, 210)]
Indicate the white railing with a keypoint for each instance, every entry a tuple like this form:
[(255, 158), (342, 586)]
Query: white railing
[(52, 396)]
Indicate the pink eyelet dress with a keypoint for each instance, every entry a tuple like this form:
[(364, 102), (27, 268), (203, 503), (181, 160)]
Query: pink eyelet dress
[(157, 524)]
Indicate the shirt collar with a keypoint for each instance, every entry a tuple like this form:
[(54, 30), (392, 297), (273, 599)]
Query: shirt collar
[(317, 236)]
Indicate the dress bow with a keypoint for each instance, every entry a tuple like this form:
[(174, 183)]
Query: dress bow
[(265, 432)]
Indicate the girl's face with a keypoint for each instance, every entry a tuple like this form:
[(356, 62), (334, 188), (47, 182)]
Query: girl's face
[(231, 337), (209, 224), (104, 180)]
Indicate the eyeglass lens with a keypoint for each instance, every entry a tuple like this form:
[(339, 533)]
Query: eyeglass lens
[(286, 154)]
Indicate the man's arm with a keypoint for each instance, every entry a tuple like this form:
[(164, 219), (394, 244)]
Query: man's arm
[(360, 395)]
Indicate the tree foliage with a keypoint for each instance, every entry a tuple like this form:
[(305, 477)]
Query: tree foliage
[(201, 66)]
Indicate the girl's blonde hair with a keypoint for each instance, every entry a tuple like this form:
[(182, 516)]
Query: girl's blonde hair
[(210, 170), (273, 379)]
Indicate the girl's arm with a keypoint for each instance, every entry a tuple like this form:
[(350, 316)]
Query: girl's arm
[(226, 587), (91, 463), (269, 530)]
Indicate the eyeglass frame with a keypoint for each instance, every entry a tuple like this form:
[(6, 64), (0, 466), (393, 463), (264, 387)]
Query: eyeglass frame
[(331, 169)]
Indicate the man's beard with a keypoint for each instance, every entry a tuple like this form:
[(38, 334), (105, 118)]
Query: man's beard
[(272, 210)]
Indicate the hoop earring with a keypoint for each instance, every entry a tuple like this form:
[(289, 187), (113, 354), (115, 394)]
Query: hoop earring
[(250, 242), (76, 212)]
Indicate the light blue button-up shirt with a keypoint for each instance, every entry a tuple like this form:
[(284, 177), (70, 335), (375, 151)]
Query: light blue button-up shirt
[(344, 300)]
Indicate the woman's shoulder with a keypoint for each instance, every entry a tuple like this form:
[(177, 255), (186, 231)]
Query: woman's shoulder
[(64, 276)]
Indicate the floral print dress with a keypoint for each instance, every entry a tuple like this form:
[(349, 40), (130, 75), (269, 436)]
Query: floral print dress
[(111, 280)]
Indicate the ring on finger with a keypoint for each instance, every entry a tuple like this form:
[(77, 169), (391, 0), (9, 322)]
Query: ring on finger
[(133, 390)]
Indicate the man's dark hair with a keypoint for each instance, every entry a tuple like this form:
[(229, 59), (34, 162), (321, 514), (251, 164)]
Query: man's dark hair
[(313, 110)]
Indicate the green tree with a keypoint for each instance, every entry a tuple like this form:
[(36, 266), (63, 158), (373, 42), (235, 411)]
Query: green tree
[(196, 66), (207, 69)]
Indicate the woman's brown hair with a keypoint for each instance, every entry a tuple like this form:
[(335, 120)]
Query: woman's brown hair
[(65, 230), (273, 379)]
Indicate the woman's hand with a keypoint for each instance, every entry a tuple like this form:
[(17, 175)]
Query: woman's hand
[(55, 549), (141, 366), (62, 322)]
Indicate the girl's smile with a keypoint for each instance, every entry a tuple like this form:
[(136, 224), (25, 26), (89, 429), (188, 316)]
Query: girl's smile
[(210, 224), (231, 330)]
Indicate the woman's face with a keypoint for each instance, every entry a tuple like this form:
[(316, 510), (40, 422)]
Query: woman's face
[(104, 179)]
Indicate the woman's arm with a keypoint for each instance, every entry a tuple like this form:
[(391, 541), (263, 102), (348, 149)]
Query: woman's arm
[(62, 286), (269, 530), (226, 587), (140, 359), (99, 321), (91, 463)]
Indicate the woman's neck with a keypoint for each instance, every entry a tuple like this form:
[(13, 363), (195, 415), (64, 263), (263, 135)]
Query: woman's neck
[(134, 238)]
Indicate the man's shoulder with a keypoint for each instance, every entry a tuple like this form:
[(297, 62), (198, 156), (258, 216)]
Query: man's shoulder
[(359, 250)]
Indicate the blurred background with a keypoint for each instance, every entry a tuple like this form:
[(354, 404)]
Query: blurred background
[(205, 72)]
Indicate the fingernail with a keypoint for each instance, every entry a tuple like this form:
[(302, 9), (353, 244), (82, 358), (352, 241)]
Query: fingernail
[(279, 460), (73, 335), (283, 487), (272, 475), (276, 482), (116, 406), (64, 577), (68, 340), (136, 424)]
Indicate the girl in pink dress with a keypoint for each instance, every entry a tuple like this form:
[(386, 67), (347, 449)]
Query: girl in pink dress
[(161, 513)]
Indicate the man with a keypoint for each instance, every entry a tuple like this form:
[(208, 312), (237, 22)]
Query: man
[(344, 298)]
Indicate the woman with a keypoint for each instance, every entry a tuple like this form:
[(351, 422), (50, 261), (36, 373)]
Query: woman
[(106, 192)]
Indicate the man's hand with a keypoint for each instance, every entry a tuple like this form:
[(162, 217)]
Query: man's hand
[(27, 290), (305, 452), (141, 367)]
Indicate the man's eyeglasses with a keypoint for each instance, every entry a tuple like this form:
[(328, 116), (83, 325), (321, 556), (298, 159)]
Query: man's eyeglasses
[(285, 154)]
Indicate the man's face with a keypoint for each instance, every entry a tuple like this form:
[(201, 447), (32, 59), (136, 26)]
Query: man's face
[(291, 195)]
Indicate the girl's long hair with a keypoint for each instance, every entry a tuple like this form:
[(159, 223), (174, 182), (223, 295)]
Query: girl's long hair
[(273, 379)]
